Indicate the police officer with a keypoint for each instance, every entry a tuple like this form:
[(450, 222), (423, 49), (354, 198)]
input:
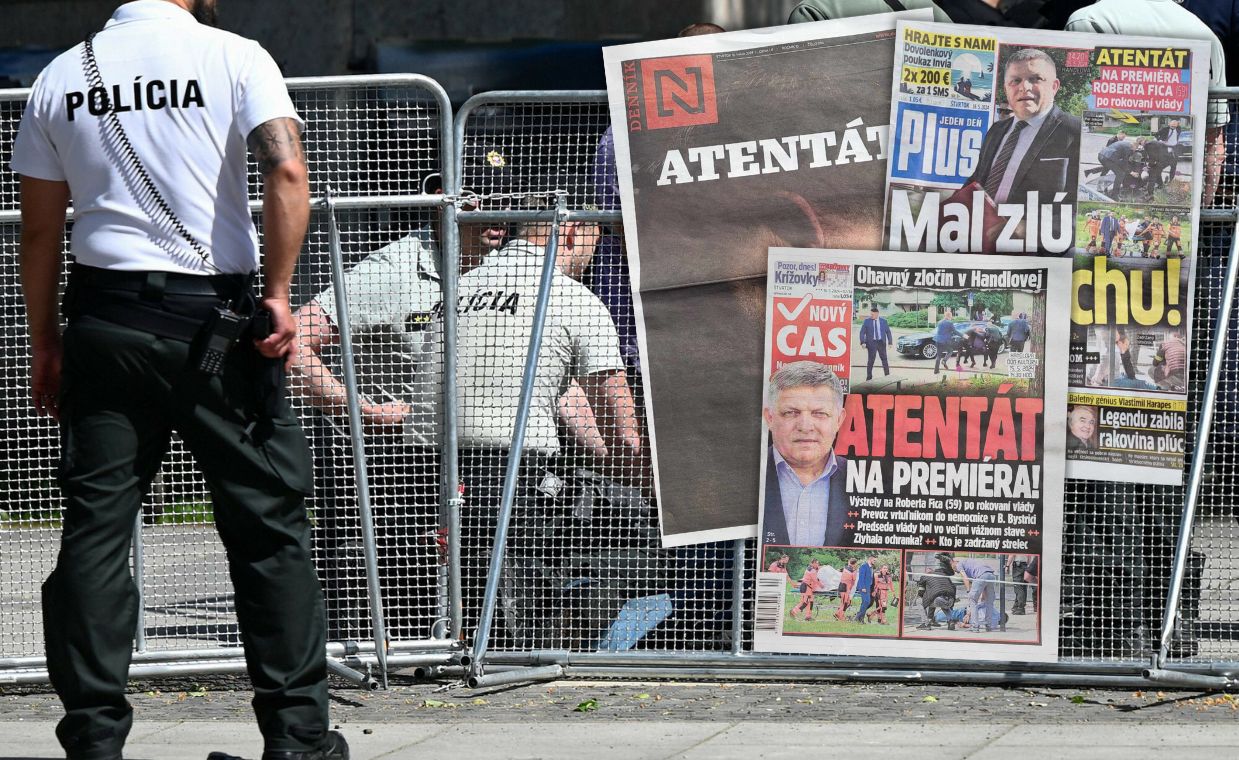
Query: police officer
[(145, 126), (496, 307), (391, 293)]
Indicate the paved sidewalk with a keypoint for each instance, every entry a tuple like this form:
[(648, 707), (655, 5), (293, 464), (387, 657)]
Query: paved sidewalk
[(180, 719), (690, 740)]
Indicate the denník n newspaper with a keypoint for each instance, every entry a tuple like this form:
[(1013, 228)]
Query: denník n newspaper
[(1083, 146), (725, 145), (912, 465)]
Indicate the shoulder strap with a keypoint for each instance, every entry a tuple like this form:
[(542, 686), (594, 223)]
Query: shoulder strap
[(895, 5), (114, 129)]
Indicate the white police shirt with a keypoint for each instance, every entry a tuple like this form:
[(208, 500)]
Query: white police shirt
[(495, 308), (187, 96), (391, 295)]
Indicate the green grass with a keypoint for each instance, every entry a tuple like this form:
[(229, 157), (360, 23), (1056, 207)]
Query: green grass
[(824, 622), (30, 519), (186, 513), (183, 513)]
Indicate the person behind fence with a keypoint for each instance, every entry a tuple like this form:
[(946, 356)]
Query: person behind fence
[(979, 584), (496, 318), (805, 503), (607, 277), (165, 334), (1019, 13), (390, 294)]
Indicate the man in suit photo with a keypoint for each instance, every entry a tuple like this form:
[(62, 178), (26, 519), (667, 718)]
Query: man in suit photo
[(805, 503), (875, 336), (1038, 146)]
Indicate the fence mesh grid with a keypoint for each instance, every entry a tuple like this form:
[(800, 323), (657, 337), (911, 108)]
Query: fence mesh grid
[(575, 558), (1209, 607), (364, 138), (576, 568)]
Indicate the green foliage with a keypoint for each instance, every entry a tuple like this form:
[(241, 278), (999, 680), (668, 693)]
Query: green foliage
[(909, 319), (1131, 130), (999, 302), (950, 300)]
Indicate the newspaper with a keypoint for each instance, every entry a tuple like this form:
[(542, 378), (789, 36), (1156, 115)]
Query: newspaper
[(727, 144), (1086, 146), (913, 506)]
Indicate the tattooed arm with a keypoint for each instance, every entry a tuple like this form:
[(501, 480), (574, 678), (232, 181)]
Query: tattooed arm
[(276, 145)]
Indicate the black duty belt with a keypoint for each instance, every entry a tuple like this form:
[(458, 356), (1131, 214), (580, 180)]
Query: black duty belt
[(153, 285), (167, 304)]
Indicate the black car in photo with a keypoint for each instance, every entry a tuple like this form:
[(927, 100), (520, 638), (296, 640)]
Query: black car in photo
[(921, 345)]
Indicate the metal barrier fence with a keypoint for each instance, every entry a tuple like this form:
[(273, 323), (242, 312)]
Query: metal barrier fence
[(371, 143), (585, 587)]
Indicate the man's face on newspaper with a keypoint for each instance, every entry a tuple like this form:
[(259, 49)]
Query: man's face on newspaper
[(1030, 86), (1082, 423), (803, 425)]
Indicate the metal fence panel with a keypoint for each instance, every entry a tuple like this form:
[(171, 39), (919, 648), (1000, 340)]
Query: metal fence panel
[(372, 138), (1120, 537), (586, 574)]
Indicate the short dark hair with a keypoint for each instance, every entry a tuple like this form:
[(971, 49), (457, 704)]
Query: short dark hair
[(1024, 55), (696, 30)]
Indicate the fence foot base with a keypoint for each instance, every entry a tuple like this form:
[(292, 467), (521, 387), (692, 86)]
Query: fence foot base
[(1189, 680), (521, 675), (364, 680)]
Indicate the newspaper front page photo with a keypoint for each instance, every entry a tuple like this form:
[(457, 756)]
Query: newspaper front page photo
[(912, 474), (1089, 147)]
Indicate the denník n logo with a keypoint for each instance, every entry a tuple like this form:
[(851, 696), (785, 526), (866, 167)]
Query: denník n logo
[(678, 91)]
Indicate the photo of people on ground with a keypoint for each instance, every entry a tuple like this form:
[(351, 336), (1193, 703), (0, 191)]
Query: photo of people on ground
[(984, 596), (1137, 158)]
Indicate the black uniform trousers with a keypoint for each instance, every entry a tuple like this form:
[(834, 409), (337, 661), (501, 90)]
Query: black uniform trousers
[(529, 606), (124, 391)]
